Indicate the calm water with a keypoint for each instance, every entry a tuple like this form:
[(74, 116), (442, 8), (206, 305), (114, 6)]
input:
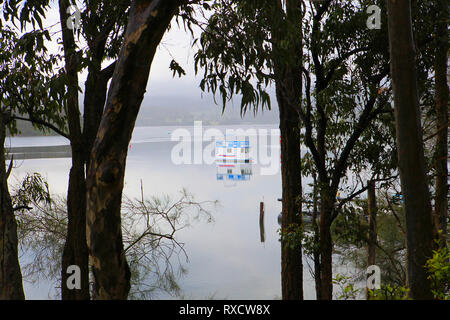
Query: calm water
[(226, 257)]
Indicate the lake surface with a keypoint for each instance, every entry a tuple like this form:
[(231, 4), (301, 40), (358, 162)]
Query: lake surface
[(226, 258)]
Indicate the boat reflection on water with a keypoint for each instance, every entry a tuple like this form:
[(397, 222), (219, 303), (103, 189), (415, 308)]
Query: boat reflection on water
[(233, 161), (229, 171)]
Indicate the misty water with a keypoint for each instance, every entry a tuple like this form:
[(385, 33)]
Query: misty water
[(227, 259)]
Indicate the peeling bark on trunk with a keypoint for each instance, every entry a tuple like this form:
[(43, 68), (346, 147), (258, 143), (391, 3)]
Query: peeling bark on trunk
[(441, 98), (11, 287), (148, 21), (94, 102), (75, 251), (411, 161)]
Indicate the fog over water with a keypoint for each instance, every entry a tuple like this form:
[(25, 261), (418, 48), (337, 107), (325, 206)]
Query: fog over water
[(226, 257)]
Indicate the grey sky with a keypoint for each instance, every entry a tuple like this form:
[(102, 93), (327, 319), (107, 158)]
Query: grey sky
[(163, 88)]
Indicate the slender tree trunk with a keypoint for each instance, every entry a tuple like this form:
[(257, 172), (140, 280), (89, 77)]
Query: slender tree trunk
[(372, 217), (441, 98), (289, 93), (291, 256), (11, 287), (316, 249), (148, 20), (75, 249), (94, 102), (411, 161), (326, 245)]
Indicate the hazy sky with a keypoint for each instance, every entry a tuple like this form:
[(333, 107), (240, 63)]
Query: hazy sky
[(176, 44)]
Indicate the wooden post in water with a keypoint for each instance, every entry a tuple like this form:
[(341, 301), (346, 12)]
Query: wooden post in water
[(261, 222)]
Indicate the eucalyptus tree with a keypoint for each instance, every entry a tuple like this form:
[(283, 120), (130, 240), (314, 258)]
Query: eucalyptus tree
[(344, 96), (430, 21), (411, 158), (343, 91), (25, 78), (147, 22), (244, 47), (346, 112), (101, 26)]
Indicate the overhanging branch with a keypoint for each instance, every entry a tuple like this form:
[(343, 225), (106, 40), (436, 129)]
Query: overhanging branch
[(43, 123)]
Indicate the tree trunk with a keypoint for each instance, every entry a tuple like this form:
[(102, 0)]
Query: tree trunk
[(291, 255), (75, 248), (316, 249), (93, 109), (372, 217), (148, 20), (411, 161), (288, 91), (11, 287), (441, 98), (94, 102), (326, 245)]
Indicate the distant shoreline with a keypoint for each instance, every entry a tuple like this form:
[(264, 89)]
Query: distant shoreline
[(187, 124)]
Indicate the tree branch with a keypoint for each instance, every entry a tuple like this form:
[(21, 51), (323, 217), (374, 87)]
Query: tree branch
[(306, 118), (357, 193), (108, 72), (8, 172), (334, 64), (43, 123), (364, 120), (437, 132)]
